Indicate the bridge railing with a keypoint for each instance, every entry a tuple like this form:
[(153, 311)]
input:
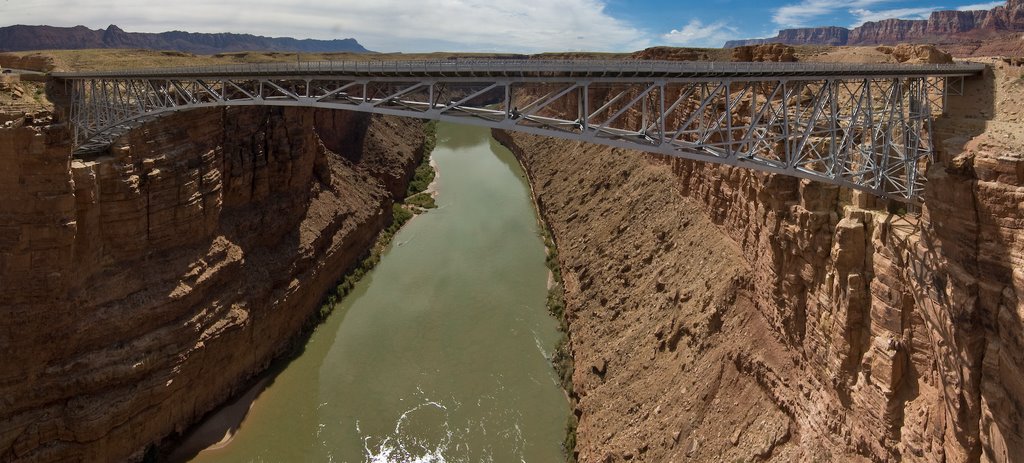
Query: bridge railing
[(808, 120), (532, 66)]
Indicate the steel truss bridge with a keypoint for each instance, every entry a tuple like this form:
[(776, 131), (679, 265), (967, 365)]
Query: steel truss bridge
[(866, 127)]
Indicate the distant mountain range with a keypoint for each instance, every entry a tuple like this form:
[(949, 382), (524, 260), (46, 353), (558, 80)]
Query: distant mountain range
[(20, 38), (940, 27)]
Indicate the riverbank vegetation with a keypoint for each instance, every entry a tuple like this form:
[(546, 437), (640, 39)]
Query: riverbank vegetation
[(421, 200), (401, 212), (561, 359), (424, 174), (399, 216), (417, 196)]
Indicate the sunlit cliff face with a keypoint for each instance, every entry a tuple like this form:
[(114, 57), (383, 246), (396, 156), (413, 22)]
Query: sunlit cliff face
[(867, 334)]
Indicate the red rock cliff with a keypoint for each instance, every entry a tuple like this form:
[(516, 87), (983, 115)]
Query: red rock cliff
[(718, 314), (942, 27), (142, 288)]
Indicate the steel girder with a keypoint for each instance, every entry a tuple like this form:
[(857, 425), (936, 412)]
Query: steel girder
[(866, 133)]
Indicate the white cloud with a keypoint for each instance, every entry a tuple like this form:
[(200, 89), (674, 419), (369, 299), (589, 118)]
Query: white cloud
[(802, 14), (862, 15), (980, 6), (697, 34), (383, 25)]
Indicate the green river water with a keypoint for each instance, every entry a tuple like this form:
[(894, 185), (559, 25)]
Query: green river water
[(441, 353)]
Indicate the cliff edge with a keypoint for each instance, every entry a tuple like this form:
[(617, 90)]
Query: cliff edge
[(142, 287), (974, 33), (720, 314)]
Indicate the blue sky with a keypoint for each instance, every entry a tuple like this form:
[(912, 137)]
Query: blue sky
[(481, 25), (727, 19)]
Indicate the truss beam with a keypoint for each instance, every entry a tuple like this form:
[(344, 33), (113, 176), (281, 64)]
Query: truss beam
[(867, 132)]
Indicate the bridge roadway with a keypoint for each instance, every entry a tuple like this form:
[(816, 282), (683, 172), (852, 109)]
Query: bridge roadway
[(862, 126)]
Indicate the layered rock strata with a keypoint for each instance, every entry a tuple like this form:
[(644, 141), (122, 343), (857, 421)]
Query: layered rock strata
[(940, 27), (143, 287), (773, 52), (719, 314)]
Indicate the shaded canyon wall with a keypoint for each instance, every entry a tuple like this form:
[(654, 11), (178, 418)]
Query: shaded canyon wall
[(141, 288)]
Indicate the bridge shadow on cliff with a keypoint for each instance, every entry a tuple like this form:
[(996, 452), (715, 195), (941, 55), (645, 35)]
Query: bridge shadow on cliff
[(987, 306), (965, 115), (959, 265)]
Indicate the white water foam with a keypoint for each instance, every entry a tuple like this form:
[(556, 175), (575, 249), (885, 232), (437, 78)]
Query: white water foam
[(540, 345), (401, 446)]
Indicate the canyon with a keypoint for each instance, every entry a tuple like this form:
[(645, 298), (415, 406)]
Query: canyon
[(717, 314), (965, 33), (713, 313), (144, 286)]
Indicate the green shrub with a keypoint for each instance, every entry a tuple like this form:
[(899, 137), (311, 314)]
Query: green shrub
[(569, 444), (421, 180), (399, 216), (556, 302), (424, 174), (423, 200), (561, 360)]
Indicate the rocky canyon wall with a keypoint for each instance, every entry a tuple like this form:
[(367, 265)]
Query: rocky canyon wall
[(719, 314), (141, 288), (961, 31)]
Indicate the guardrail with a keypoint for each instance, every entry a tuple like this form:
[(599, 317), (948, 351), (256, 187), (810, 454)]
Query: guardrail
[(539, 67)]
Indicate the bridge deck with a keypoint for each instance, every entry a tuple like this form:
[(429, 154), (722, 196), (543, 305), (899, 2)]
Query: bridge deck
[(862, 126), (647, 69)]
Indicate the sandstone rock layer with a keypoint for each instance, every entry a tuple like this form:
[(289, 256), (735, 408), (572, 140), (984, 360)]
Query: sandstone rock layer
[(141, 288), (719, 314), (971, 29)]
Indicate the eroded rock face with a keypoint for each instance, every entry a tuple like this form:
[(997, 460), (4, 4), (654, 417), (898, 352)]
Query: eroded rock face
[(974, 206), (33, 62), (773, 52), (142, 288), (659, 306), (940, 27), (670, 54), (917, 54), (800, 36), (705, 302)]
